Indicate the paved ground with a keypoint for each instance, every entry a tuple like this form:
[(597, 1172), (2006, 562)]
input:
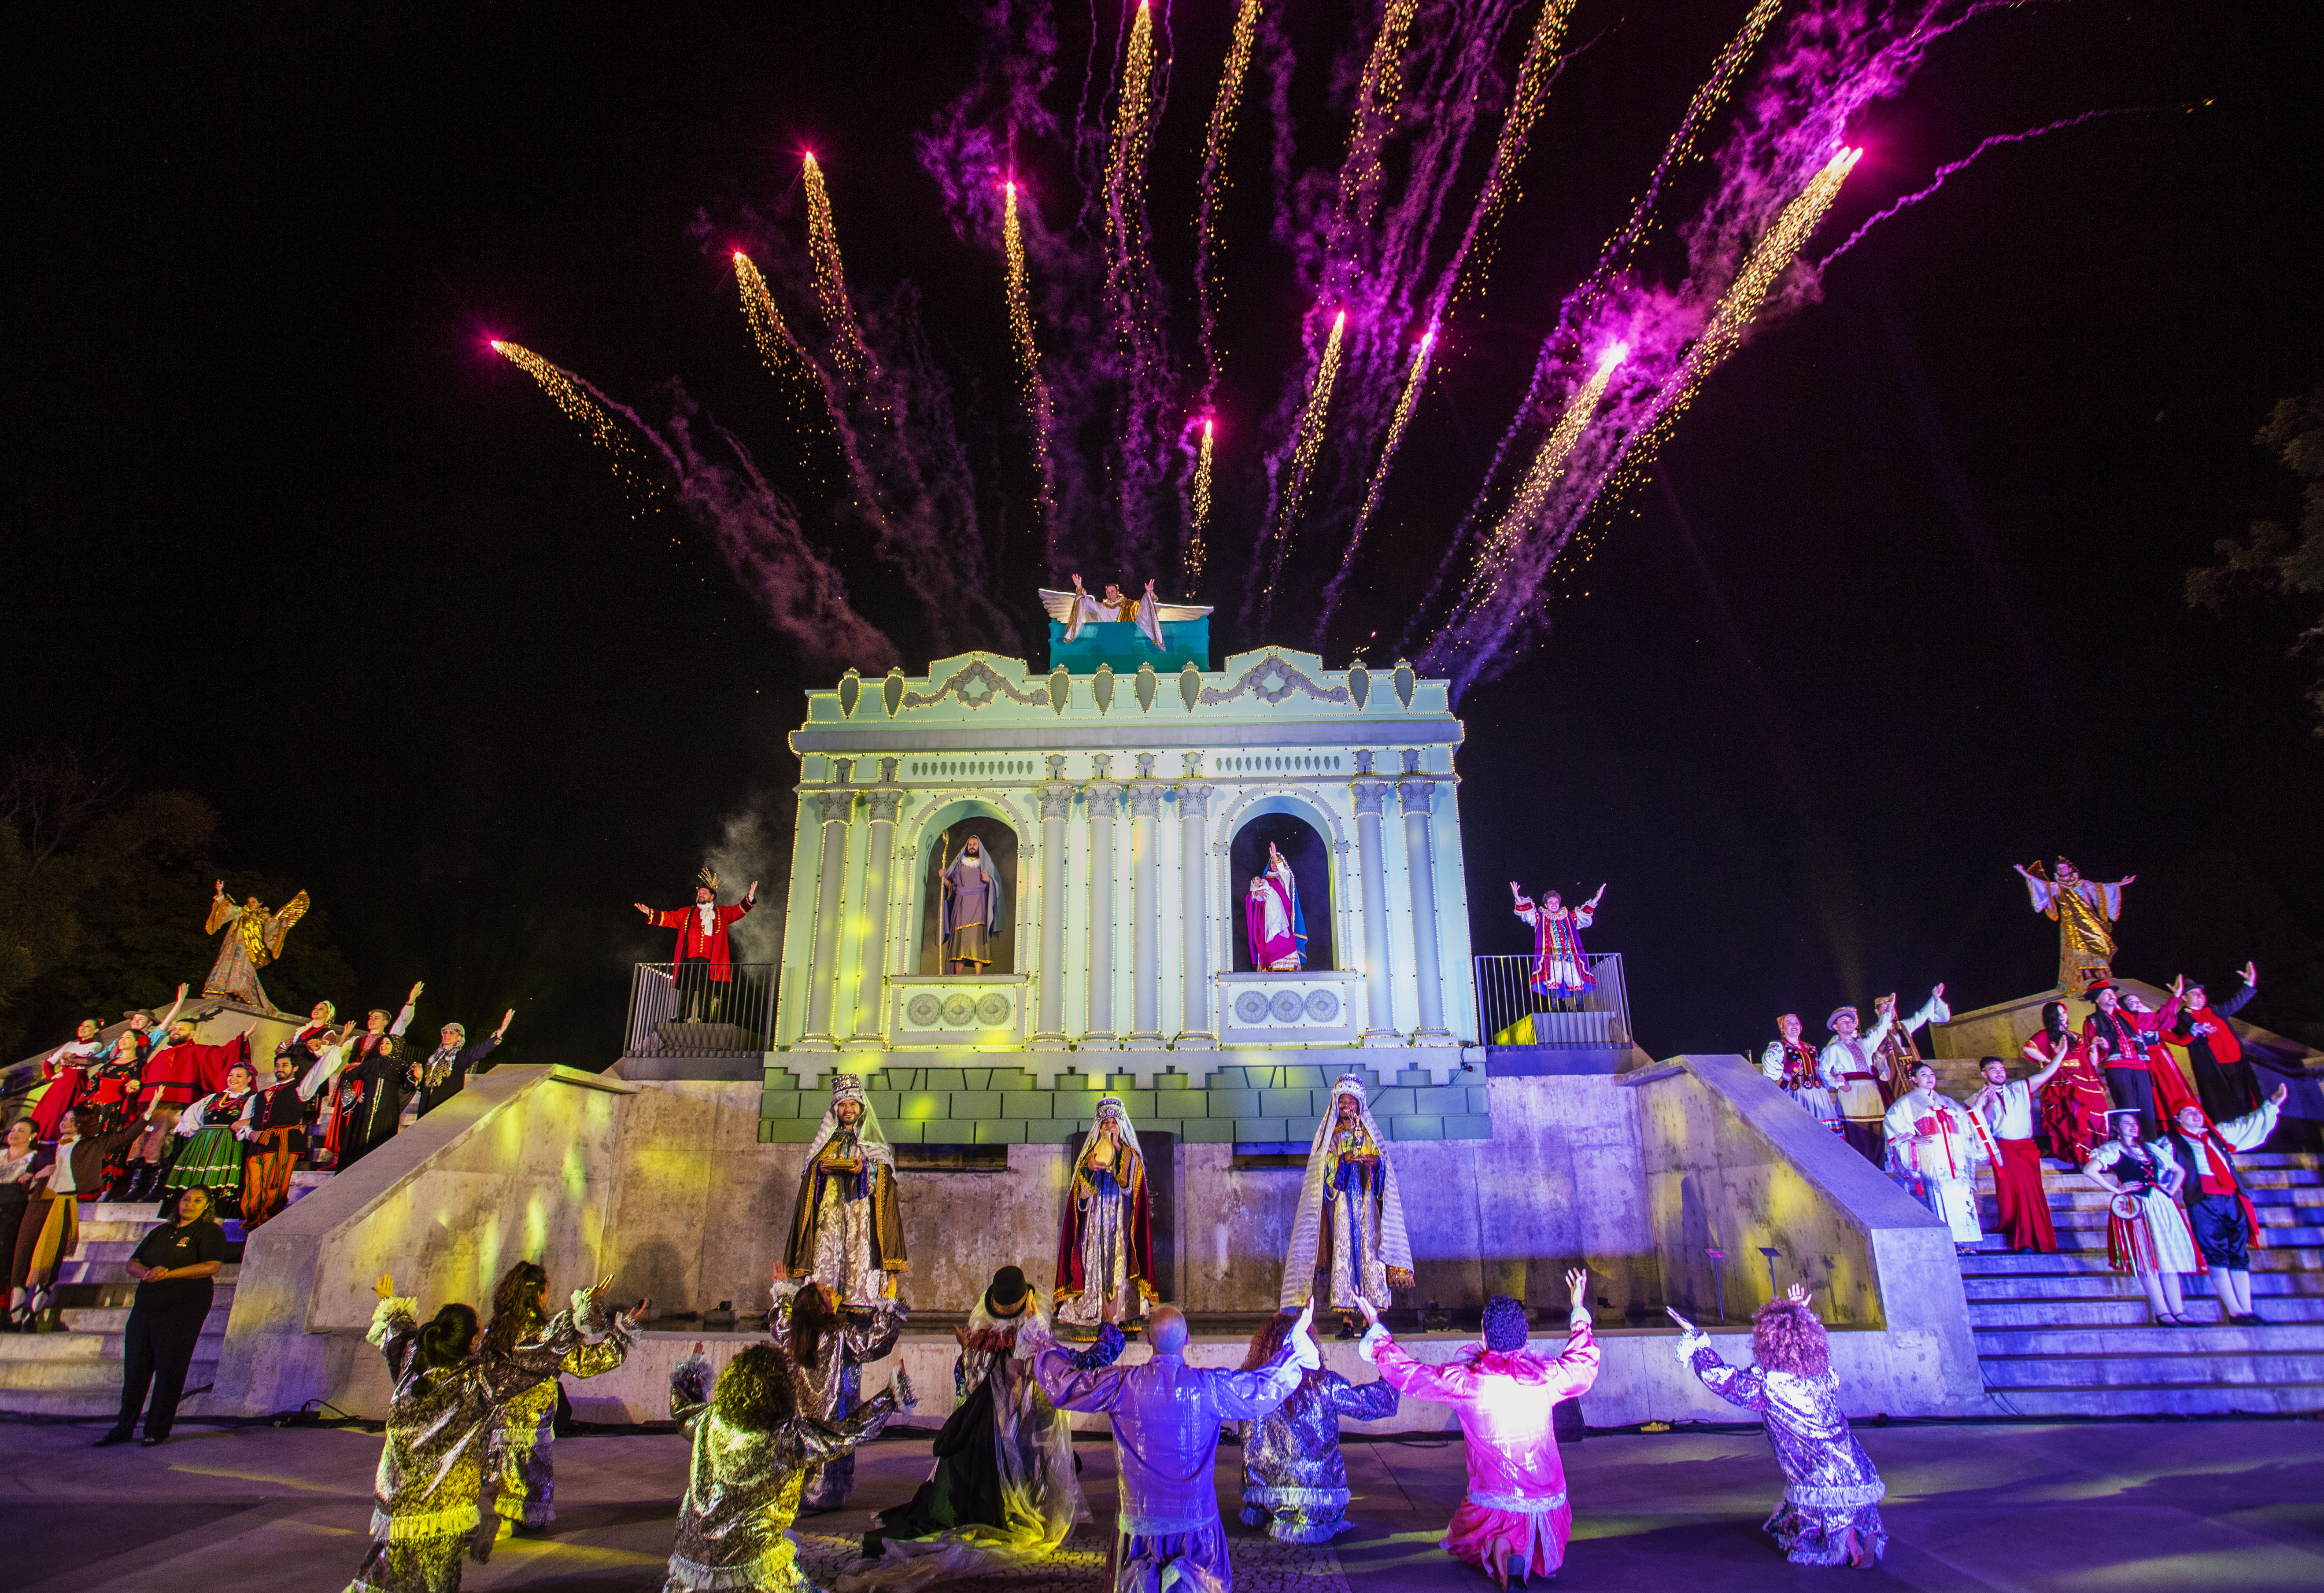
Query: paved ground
[(2098, 1508)]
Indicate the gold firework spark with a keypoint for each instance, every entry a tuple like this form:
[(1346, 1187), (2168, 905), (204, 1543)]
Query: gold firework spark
[(1377, 92), (1548, 465), (784, 359), (1125, 174), (1526, 102), (1020, 324), (1414, 380), (1202, 505), (596, 423), (1214, 185), (1311, 432), (831, 278)]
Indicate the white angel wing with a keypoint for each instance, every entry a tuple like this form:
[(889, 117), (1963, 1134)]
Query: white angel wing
[(1060, 604), (1172, 613)]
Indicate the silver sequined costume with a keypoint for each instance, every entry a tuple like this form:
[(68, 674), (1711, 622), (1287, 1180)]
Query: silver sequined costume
[(743, 1487), (831, 1389), (525, 1428), (1295, 1482), (1830, 1484)]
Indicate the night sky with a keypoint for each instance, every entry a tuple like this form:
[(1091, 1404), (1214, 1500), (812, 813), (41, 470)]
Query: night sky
[(1901, 603)]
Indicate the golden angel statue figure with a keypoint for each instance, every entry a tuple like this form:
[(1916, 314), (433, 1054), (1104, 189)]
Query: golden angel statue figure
[(2085, 911), (253, 939), (1075, 609)]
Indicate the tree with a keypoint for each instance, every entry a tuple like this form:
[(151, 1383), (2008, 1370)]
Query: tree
[(2275, 558)]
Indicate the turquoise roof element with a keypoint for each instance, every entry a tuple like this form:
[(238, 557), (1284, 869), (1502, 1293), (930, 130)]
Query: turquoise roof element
[(1124, 646)]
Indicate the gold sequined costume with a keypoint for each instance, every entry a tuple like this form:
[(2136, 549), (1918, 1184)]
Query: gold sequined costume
[(254, 940), (519, 1454)]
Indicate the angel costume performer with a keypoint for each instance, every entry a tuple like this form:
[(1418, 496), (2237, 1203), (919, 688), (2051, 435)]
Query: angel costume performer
[(1514, 1520), (1560, 968), (253, 939), (1003, 1494), (1274, 926), (1294, 1480), (1853, 1070), (1105, 1248), (424, 1505), (830, 1345), (751, 1450), (2085, 912), (1831, 1513), (1077, 608), (1165, 1417), (845, 1231), (1940, 1142), (973, 910), (1349, 1237)]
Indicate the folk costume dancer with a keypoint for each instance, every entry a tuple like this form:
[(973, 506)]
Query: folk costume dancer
[(972, 911), (379, 1052), (2224, 1079), (1560, 968), (1793, 1066), (2085, 912), (2145, 1234), (176, 1074), (446, 1072), (702, 964), (62, 1073), (278, 1134), (524, 1338), (1105, 1247), (2005, 1106), (1166, 1416), (845, 1231), (751, 1449), (1294, 1480), (20, 1158), (2076, 1100), (1830, 1510), (2219, 1211), (1515, 1520), (1940, 1142), (425, 1513), (2139, 1073), (65, 1174), (254, 938), (213, 1130), (1349, 1243), (830, 1345), (1003, 1494), (1275, 926), (1853, 1070)]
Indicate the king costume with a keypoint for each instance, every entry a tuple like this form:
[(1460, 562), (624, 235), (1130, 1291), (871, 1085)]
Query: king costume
[(1347, 1241), (1560, 968), (846, 1233), (1274, 925), (1105, 1245)]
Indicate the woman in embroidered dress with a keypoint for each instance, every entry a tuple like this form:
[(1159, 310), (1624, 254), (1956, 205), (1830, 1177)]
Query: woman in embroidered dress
[(830, 1344), (1294, 1481), (2075, 1102), (213, 1128), (1347, 1241), (2145, 1234), (521, 1333), (753, 1448), (1105, 1253), (1830, 1510)]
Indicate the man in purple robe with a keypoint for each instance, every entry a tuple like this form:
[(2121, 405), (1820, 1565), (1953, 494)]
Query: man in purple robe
[(973, 909)]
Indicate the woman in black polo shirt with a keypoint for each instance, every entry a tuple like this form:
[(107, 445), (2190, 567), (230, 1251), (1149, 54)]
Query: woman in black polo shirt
[(173, 1265)]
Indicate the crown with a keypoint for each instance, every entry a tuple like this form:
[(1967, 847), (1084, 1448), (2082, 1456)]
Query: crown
[(708, 877)]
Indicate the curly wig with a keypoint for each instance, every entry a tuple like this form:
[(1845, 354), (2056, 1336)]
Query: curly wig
[(759, 1389), (1788, 1336), (1267, 1343), (1505, 1324), (516, 1307), (444, 1341)]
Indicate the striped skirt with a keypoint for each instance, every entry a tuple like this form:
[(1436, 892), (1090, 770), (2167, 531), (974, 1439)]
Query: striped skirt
[(212, 1159)]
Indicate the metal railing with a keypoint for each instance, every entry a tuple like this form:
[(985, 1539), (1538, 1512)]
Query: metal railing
[(690, 1014), (1509, 1012)]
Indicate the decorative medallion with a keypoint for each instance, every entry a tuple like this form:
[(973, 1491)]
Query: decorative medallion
[(1286, 1005), (993, 1011), (1190, 686), (1322, 1006), (957, 1011), (1146, 689), (1061, 691), (1359, 683), (924, 1009), (1405, 681), (891, 691), (976, 684), (850, 692), (1252, 1007), (1101, 687)]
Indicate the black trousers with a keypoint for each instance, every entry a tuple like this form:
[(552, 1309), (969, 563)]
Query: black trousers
[(2221, 1235), (157, 1347), (2133, 1087)]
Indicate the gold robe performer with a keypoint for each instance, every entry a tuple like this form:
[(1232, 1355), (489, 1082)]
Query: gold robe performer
[(2085, 911), (845, 1233), (253, 939)]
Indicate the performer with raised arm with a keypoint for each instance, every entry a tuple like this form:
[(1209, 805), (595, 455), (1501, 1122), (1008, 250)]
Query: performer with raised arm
[(379, 1064), (1274, 926), (2219, 1213), (2005, 1105), (973, 908), (446, 1072), (213, 1128), (1077, 608), (1294, 1480), (2125, 1043), (1560, 968), (1853, 1069), (523, 1337), (1166, 1416), (1105, 1245), (2075, 1102), (175, 1074), (1515, 1520), (830, 1344), (1940, 1142), (751, 1449), (845, 1231), (2145, 1234), (1794, 1066), (1830, 1511), (2224, 1079), (62, 1073), (2085, 912), (253, 939), (702, 964), (1348, 1240), (1003, 1494), (276, 1120)]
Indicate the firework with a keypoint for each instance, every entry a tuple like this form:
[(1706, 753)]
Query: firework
[(784, 359), (1213, 182), (847, 350), (596, 423), (1311, 442), (1526, 102), (1377, 92), (1414, 380), (1125, 172), (1548, 464), (1020, 326), (1201, 511)]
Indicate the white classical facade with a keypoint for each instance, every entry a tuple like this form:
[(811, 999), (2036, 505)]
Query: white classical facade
[(1124, 794)]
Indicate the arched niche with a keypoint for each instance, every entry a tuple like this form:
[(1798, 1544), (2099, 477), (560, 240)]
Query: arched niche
[(1296, 830), (962, 817)]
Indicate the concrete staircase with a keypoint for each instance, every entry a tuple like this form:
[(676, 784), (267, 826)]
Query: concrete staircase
[(78, 1372), (2065, 1335)]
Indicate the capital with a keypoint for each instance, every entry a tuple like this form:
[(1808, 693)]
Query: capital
[(879, 806), (1056, 800), (1371, 795), (1145, 798), (1104, 800), (1194, 800), (1100, 764), (1417, 793), (1192, 763), (838, 806)]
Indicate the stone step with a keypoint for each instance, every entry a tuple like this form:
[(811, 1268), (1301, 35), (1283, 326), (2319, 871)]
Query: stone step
[(99, 1401), (2004, 1264), (86, 1373), (2092, 1312), (2212, 1337), (2027, 1288), (86, 1343), (2195, 1366), (115, 1319), (2090, 1197), (2163, 1399)]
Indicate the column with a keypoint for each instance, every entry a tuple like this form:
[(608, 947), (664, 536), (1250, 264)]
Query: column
[(823, 972), (879, 805), (1417, 791), (1371, 862), (1056, 806), (1195, 892), (1104, 806), (1145, 911)]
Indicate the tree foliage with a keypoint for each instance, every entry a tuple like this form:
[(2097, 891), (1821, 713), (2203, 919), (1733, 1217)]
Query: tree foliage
[(2276, 558)]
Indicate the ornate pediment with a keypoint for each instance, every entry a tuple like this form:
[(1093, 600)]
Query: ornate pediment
[(1271, 680)]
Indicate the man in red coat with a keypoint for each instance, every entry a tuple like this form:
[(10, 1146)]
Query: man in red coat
[(702, 958), (176, 1075)]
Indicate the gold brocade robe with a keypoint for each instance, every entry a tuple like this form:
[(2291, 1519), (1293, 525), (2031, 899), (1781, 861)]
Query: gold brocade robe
[(2085, 912), (847, 1240), (254, 940)]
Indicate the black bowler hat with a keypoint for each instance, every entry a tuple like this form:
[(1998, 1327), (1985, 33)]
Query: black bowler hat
[(1007, 1291)]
